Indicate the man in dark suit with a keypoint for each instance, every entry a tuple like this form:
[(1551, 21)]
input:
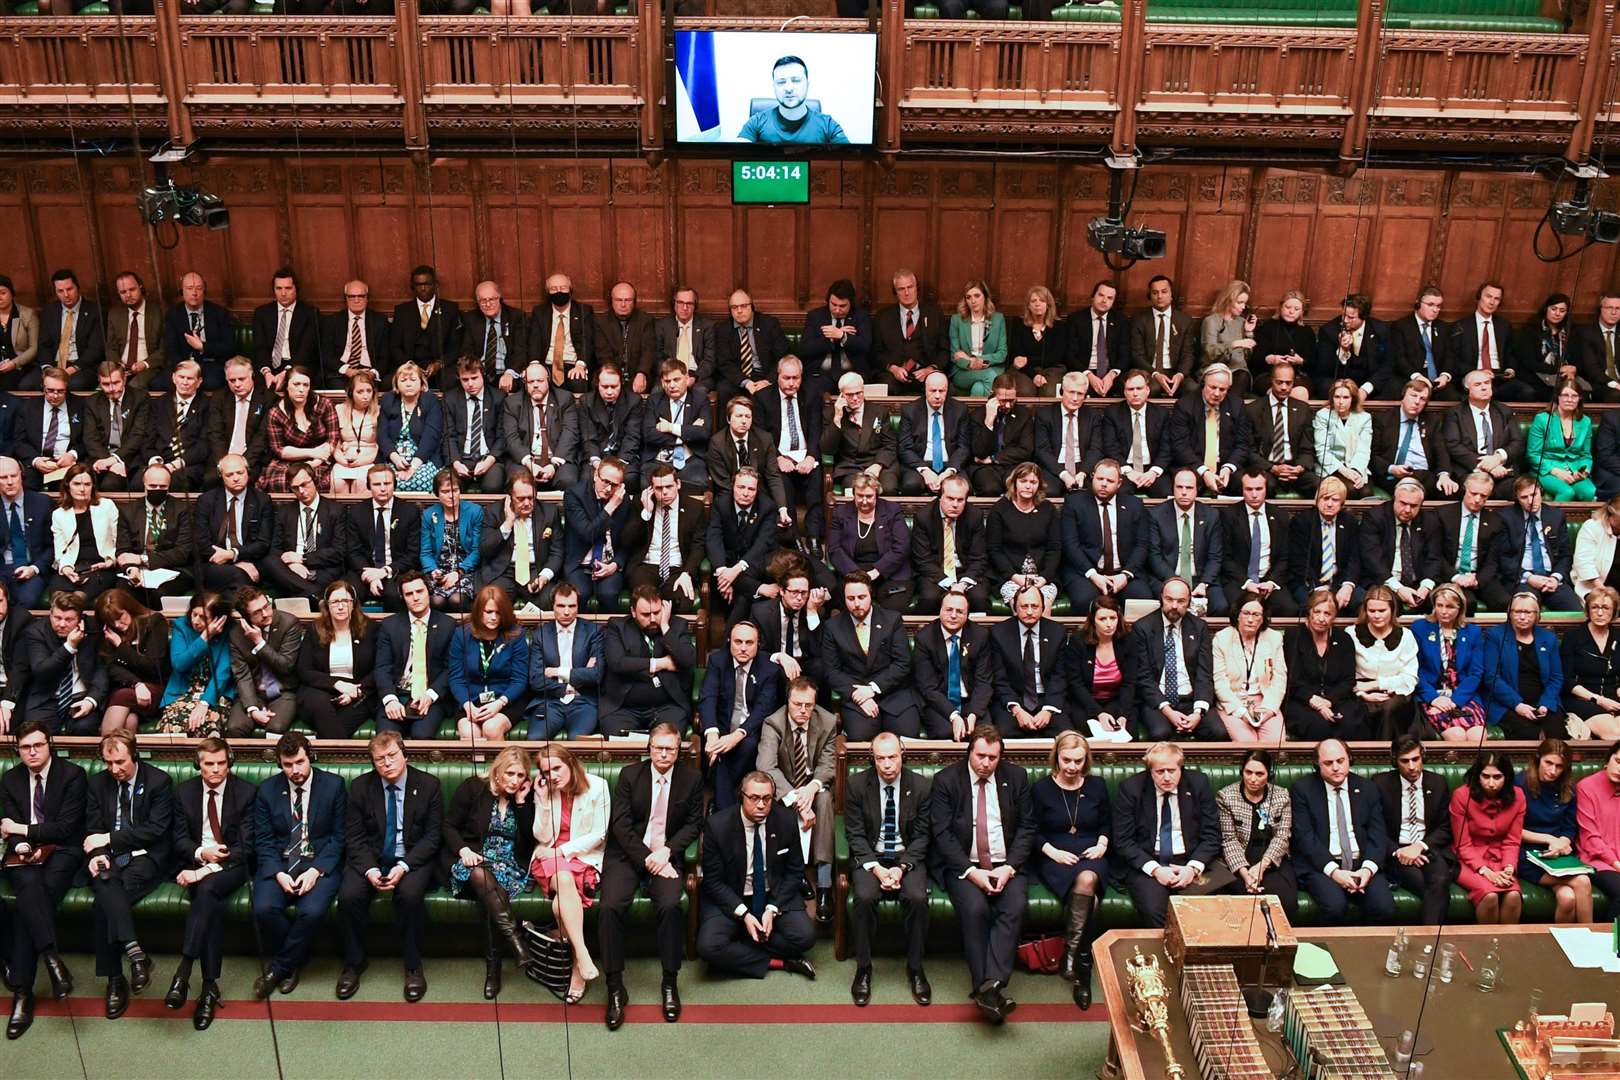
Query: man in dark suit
[(378, 558), (1068, 439), (72, 336), (838, 337), (747, 348), (1175, 689), (472, 430), (116, 430), (798, 746), (675, 428), (1402, 544), (231, 532), (180, 427), (886, 821), (522, 544), (625, 334), (596, 512), (129, 824), (355, 338), (394, 826), (1104, 536), (1482, 435), (540, 433), (413, 662), (1341, 843), (1185, 540), (286, 332), (67, 683), (236, 419), (743, 532), (791, 416), (1216, 464), (752, 918), (1281, 436), (1416, 807), (426, 330), (647, 660), (307, 542), (1406, 442), (1471, 544), (656, 814), (155, 537), (135, 332), (1166, 833), (1099, 341), (868, 658), (494, 334), (42, 806), (1031, 690), (969, 570), (663, 544), (25, 537), (1483, 341), (686, 336), (1419, 345), (213, 822), (1606, 455), (265, 643), (1353, 346), (49, 434), (731, 721), (1137, 437), (609, 421), (1593, 349), (742, 445), (15, 621), (952, 671), (860, 438), (566, 660), (1336, 564), (977, 854), (1535, 553), (299, 823), (569, 356), (910, 337), (1002, 438), (1164, 341), (790, 625), (197, 329)]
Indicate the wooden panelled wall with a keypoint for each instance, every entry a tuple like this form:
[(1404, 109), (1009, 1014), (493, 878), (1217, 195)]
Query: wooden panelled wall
[(1016, 224)]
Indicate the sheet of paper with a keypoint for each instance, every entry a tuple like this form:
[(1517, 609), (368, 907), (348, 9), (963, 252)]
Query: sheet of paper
[(1585, 948)]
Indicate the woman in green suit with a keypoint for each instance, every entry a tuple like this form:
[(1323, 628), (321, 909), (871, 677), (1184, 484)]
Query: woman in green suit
[(978, 341), (1560, 447)]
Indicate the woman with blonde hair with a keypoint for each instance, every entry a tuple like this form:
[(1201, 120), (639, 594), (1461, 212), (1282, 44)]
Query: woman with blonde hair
[(1594, 563), (1228, 333), (410, 428), (1284, 339), (354, 447), (1038, 344), (488, 841), (1021, 531), (978, 341), (570, 831), (1343, 435), (1451, 659), (1591, 660), (1072, 821), (1386, 665)]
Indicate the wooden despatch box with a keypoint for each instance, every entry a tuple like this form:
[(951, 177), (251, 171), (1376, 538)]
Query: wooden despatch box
[(1232, 930)]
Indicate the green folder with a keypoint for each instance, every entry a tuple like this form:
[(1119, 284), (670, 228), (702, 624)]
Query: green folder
[(1560, 865)]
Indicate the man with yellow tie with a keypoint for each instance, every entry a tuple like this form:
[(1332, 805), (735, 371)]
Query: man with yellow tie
[(426, 330), (1209, 433), (522, 547), (413, 671), (71, 336)]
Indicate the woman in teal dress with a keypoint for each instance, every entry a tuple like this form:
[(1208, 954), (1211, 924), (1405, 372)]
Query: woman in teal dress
[(1560, 447), (488, 842), (409, 431), (978, 341)]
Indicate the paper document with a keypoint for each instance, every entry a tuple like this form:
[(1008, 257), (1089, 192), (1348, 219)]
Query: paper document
[(1585, 948)]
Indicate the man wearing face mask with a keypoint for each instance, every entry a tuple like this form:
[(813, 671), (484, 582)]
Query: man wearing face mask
[(426, 329), (562, 336), (155, 539)]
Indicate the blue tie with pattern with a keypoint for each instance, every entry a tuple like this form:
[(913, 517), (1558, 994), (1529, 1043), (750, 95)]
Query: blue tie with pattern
[(390, 823), (953, 673), (19, 538)]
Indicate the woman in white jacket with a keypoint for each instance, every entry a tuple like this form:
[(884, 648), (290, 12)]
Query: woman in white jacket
[(1594, 550), (1386, 665), (1251, 675), (570, 831), (84, 534), (1343, 435)]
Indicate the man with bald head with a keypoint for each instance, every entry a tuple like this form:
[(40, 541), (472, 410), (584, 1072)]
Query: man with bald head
[(625, 334), (231, 533), (562, 336), (494, 333), (26, 549), (286, 331), (197, 329), (354, 339), (886, 820), (1340, 845), (747, 348)]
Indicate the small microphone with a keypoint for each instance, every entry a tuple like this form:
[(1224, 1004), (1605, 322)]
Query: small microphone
[(1271, 927)]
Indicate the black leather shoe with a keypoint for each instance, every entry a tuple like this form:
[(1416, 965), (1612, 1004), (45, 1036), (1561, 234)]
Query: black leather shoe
[(22, 1014), (824, 906), (806, 891), (61, 977), (289, 982), (117, 996), (990, 1002), (207, 1005), (799, 966), (140, 972), (617, 1000), (492, 979), (415, 985), (921, 992), (861, 989), (265, 985), (179, 990), (348, 981), (671, 995), (1082, 983)]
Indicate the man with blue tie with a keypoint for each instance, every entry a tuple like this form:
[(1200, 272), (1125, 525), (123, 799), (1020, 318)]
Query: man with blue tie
[(394, 824), (1535, 548), (565, 669), (740, 689), (951, 667), (26, 518), (886, 821), (1418, 346), (1406, 444), (1166, 832), (931, 445), (1340, 842), (298, 826)]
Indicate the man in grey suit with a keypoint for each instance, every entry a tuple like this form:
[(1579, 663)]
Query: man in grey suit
[(797, 750), (540, 433), (886, 821), (264, 660), (685, 336), (135, 332)]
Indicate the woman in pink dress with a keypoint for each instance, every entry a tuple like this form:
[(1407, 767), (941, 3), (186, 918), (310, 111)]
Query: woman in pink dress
[(1487, 828), (570, 830)]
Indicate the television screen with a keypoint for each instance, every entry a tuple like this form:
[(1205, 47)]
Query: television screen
[(775, 89)]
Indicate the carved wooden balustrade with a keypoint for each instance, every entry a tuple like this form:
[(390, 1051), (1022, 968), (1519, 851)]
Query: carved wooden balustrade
[(81, 73)]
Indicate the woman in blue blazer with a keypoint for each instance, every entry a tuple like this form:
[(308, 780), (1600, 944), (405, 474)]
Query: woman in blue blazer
[(1451, 655), (410, 429), (451, 560), (975, 367), (1525, 702), (200, 690), (489, 668)]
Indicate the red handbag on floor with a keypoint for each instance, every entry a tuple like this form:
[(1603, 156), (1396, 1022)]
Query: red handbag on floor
[(1042, 955)]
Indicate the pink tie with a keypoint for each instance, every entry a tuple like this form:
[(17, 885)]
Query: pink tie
[(660, 812)]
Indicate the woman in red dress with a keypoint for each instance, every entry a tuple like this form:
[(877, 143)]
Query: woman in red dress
[(570, 830), (1487, 826), (301, 427)]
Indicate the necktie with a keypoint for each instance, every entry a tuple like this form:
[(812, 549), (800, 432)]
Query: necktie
[(891, 822), (936, 436), (911, 322), (542, 435), (1330, 560), (1001, 431), (1071, 441), (475, 430), (213, 816), (1609, 369), (1099, 359), (390, 822), (1160, 352), (599, 549), (520, 553), (1172, 678), (19, 538), (233, 537), (1185, 565), (1465, 553), (126, 819), (295, 835), (154, 527), (115, 423), (1538, 553), (1414, 818), (1485, 445), (559, 338), (1408, 429), (1109, 563), (196, 323), (1255, 541), (801, 758), (739, 698), (1279, 433), (66, 344), (419, 672), (683, 344), (490, 336), (1139, 454), (756, 902), (1032, 700), (354, 340), (790, 635), (1167, 850), (1428, 353), (658, 817), (947, 561), (1212, 439), (64, 691), (677, 416), (1347, 842), (279, 351), (953, 672), (792, 424), (39, 798), (863, 636), (308, 543), (666, 544), (379, 540), (424, 315), (177, 442), (745, 348), (1408, 574), (981, 824), (53, 431), (1486, 361), (132, 347)]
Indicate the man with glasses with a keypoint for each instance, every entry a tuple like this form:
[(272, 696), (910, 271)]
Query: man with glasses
[(686, 336), (496, 336), (354, 339), (595, 514), (265, 643)]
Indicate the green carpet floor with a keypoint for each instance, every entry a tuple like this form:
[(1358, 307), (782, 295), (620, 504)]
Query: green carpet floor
[(730, 1027)]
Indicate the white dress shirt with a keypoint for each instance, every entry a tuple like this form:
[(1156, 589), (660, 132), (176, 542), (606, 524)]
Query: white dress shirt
[(992, 814)]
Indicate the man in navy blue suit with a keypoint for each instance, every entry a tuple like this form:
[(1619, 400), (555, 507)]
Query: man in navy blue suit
[(1171, 525), (731, 725), (1166, 832), (25, 537), (197, 329), (1105, 534), (1534, 553), (565, 668), (1336, 810), (595, 513), (838, 337), (298, 825), (413, 662)]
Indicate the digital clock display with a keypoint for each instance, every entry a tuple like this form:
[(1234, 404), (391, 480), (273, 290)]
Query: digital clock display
[(770, 182)]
